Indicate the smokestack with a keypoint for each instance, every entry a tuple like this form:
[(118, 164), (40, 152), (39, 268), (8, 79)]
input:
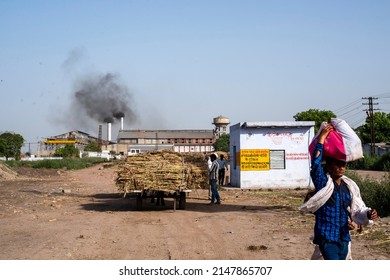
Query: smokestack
[(109, 123), (121, 116), (109, 131)]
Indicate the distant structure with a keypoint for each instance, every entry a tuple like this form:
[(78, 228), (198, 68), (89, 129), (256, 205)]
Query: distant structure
[(130, 142), (79, 139), (221, 124), (182, 141)]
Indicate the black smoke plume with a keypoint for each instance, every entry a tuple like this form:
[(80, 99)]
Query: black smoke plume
[(119, 115), (101, 99)]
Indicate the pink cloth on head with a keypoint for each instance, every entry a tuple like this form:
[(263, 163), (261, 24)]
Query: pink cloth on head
[(341, 143), (333, 146)]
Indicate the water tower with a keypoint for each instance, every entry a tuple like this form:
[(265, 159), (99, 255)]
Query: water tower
[(221, 124)]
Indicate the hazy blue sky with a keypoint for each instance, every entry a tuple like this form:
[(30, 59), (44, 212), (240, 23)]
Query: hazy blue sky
[(178, 64)]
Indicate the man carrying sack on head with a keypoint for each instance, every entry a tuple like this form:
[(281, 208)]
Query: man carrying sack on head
[(336, 198)]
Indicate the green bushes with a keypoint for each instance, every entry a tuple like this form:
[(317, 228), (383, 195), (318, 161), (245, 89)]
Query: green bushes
[(382, 163), (372, 163), (68, 151), (376, 194), (66, 163)]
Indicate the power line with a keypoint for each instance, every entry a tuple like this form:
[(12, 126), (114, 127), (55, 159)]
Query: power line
[(383, 95), (358, 122), (337, 111), (352, 110)]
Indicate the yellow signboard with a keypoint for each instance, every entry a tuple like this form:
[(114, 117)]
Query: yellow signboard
[(254, 160), (59, 141)]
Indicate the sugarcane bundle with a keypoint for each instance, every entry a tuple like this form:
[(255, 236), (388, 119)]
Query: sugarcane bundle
[(162, 171)]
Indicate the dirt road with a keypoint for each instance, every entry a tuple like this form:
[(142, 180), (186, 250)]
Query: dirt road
[(66, 215)]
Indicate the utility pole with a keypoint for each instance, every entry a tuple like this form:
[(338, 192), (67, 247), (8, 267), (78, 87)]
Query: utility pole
[(370, 115)]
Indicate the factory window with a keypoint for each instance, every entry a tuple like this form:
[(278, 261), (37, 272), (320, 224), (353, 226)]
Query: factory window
[(176, 140)]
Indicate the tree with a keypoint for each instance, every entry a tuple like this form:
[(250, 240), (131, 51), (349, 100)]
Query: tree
[(318, 116), (10, 145), (222, 143), (68, 151), (381, 128), (93, 147)]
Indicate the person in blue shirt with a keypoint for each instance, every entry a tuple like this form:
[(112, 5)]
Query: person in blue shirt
[(222, 167), (337, 197)]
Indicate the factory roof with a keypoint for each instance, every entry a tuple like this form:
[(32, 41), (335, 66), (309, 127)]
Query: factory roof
[(277, 124)]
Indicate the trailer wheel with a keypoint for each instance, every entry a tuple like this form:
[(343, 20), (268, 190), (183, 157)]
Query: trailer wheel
[(182, 200)]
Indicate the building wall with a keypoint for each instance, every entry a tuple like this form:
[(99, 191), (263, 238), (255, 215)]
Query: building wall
[(380, 149), (182, 141), (270, 157)]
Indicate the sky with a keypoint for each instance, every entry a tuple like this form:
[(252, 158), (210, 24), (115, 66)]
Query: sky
[(70, 65)]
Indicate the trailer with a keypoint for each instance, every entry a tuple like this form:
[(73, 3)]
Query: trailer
[(162, 174)]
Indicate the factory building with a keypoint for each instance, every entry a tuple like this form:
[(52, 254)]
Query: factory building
[(77, 138), (270, 154), (182, 141), (130, 142)]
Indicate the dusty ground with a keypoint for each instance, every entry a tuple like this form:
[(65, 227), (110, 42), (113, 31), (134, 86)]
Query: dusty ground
[(65, 215)]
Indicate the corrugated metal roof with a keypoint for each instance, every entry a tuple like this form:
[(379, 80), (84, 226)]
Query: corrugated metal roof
[(277, 124), (165, 134)]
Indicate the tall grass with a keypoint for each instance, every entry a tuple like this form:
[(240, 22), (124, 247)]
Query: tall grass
[(381, 163), (375, 194), (67, 163)]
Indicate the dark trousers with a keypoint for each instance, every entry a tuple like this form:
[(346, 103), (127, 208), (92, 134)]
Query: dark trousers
[(214, 191), (221, 176)]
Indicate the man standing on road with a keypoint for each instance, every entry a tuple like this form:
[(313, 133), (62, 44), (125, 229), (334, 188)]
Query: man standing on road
[(221, 172), (213, 173)]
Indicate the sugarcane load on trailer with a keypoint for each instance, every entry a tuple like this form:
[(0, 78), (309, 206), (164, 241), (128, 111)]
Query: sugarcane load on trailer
[(159, 174)]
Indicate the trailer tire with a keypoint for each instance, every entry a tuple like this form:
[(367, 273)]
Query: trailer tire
[(139, 199), (182, 200)]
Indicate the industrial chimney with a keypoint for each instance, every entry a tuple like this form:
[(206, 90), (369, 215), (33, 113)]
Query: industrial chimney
[(109, 131), (109, 123), (120, 116)]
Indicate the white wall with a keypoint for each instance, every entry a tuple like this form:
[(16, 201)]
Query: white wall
[(288, 138)]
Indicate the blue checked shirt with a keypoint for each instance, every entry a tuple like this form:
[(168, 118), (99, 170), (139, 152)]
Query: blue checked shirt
[(332, 218)]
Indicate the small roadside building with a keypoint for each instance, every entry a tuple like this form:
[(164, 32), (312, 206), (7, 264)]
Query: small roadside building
[(270, 154)]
